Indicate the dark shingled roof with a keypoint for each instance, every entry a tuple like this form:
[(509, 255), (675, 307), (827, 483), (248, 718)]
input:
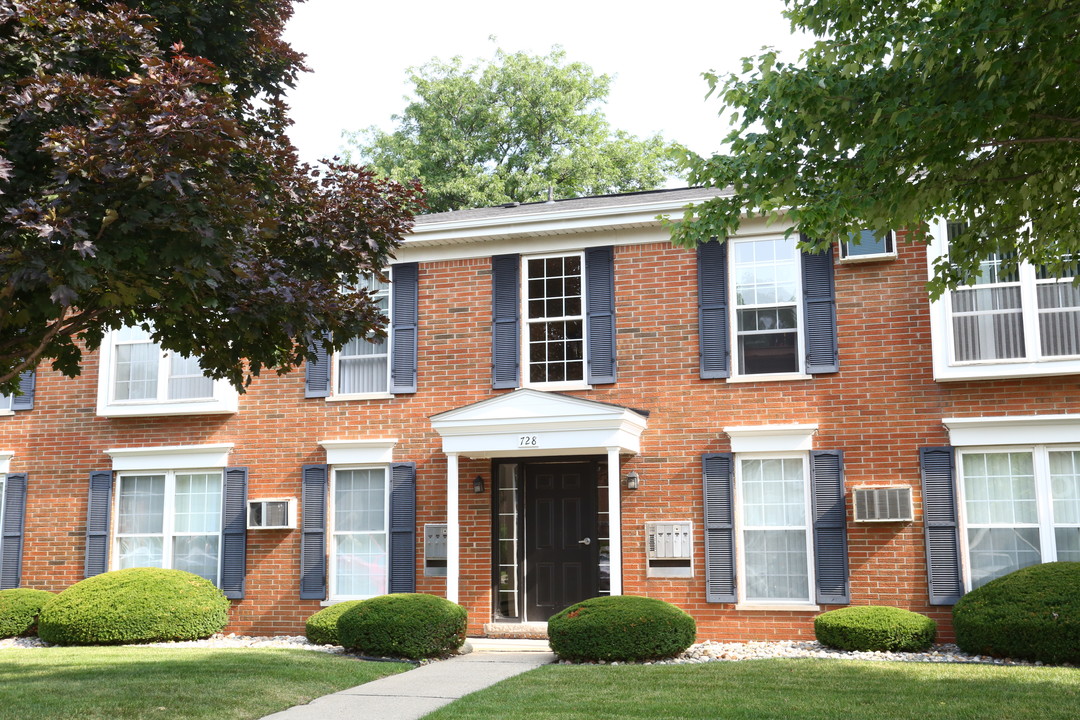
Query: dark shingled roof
[(595, 202)]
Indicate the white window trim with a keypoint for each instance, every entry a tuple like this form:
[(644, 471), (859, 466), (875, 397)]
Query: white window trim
[(742, 602), (945, 370), (359, 452), (771, 438), (1012, 430), (335, 372), (172, 457), (523, 339), (224, 401), (6, 405), (5, 462), (331, 566), (168, 511), (1040, 453), (737, 375)]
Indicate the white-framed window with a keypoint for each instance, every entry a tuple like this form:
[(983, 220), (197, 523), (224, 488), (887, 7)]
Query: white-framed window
[(772, 495), (362, 367), (169, 519), (5, 404), (1020, 506), (766, 302), (359, 537), (553, 306), (868, 245), (1004, 324), (3, 492), (138, 377)]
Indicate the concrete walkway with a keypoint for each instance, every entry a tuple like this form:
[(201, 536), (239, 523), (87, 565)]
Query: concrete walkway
[(412, 694)]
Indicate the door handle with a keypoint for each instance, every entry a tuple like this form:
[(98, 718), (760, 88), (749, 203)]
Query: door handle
[(586, 541)]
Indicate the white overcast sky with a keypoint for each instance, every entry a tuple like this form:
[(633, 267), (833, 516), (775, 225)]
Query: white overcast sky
[(359, 51)]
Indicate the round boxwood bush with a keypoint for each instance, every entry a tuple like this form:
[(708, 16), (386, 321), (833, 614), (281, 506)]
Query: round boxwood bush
[(137, 605), (321, 628), (1031, 614), (875, 628), (620, 627), (19, 610), (403, 625)]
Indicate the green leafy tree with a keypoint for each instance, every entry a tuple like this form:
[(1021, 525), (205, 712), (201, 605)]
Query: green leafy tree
[(145, 178), (506, 131), (903, 111)]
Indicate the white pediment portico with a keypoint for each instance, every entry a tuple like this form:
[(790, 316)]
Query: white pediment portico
[(531, 423)]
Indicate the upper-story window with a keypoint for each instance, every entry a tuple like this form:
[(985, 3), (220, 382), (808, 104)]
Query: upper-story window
[(369, 367), (139, 377), (553, 320), (1012, 323), (766, 306), (363, 365), (554, 313)]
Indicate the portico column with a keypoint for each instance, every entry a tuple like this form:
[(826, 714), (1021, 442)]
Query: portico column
[(453, 529), (614, 489)]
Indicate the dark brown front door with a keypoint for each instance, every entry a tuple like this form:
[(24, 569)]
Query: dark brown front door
[(561, 548)]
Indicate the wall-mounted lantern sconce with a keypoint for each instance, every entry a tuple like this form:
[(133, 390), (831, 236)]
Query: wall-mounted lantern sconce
[(478, 484), (632, 480)]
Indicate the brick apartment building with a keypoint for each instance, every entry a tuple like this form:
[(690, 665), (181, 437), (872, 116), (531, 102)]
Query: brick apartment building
[(567, 405)]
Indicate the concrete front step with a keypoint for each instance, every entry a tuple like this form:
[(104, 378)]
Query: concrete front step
[(517, 631), (507, 645)]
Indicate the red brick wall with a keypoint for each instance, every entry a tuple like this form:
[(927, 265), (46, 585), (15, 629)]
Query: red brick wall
[(879, 409)]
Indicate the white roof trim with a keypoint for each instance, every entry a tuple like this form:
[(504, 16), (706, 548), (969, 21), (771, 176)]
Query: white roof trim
[(771, 438), (1013, 430), (171, 457), (359, 452), (529, 422)]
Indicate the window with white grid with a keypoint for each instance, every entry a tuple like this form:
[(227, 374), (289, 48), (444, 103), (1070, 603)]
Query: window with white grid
[(553, 294), (142, 371), (1021, 506), (363, 366), (776, 541), (359, 539), (766, 299), (169, 520), (1024, 314)]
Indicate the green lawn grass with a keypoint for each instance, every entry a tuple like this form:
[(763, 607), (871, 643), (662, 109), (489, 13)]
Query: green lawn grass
[(780, 689), (128, 683)]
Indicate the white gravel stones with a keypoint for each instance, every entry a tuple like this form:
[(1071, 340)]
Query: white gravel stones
[(296, 642)]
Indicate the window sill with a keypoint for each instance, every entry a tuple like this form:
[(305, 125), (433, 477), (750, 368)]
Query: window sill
[(5, 413), (212, 406), (787, 607), (879, 257), (1006, 370), (360, 396), (344, 598), (771, 377)]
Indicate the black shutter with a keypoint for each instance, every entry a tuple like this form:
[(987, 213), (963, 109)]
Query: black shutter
[(505, 334), (945, 578), (11, 530), (317, 373), (402, 527), (404, 316), (313, 533), (98, 509), (714, 339), (27, 385), (234, 532), (600, 309), (719, 527), (819, 313), (830, 527)]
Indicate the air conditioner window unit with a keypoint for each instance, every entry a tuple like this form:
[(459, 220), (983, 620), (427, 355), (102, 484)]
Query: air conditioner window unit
[(272, 514), (883, 504)]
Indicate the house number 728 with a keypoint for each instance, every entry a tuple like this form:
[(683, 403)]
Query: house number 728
[(528, 441)]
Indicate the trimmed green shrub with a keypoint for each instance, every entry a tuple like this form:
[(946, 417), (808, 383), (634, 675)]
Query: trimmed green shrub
[(403, 625), (137, 605), (621, 627), (1030, 614), (19, 610), (321, 628), (875, 628)]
